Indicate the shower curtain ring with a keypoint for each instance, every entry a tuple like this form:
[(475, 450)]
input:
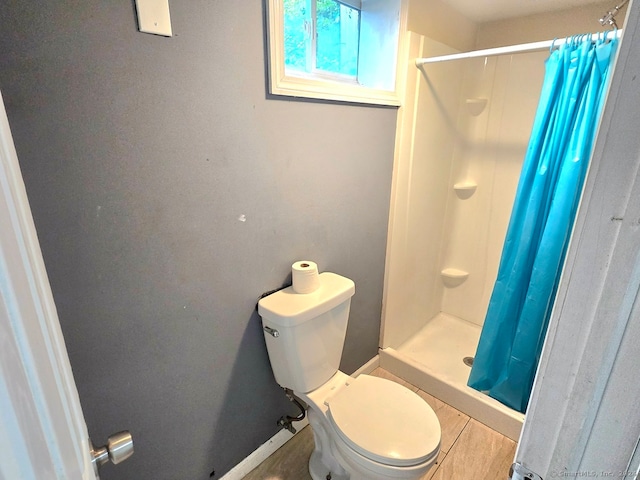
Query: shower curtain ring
[(553, 44), (614, 31), (585, 37)]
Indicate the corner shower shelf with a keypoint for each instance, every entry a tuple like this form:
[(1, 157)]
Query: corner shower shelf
[(476, 105), (452, 277), (465, 189)]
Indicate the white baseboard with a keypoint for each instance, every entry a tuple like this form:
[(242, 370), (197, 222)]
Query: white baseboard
[(265, 450), (262, 453), (368, 367)]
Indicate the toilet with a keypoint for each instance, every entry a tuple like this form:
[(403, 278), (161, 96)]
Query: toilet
[(364, 428)]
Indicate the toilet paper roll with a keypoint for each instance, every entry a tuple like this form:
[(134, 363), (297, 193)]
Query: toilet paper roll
[(304, 277)]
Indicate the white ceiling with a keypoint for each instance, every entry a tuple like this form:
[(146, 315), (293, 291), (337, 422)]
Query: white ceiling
[(487, 10)]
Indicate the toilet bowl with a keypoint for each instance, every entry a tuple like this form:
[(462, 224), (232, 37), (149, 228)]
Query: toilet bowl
[(364, 428), (370, 428)]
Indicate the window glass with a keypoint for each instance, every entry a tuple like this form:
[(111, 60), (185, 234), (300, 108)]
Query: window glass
[(332, 46), (338, 35), (297, 34)]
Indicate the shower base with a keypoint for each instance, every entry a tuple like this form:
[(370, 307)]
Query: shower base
[(433, 361)]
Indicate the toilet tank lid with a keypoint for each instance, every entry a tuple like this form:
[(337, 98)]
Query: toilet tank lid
[(287, 308)]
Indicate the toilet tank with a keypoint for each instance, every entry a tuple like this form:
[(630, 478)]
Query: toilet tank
[(305, 332)]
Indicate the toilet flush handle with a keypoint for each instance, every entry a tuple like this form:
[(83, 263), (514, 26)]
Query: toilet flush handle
[(271, 331)]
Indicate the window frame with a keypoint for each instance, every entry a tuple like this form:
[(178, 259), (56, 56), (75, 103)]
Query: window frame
[(318, 85)]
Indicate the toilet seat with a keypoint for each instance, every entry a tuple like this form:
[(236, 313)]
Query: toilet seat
[(384, 422)]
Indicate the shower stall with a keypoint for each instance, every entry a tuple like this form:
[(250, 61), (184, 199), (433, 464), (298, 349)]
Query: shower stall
[(462, 136)]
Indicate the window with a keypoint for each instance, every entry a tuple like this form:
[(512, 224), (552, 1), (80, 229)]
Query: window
[(335, 49)]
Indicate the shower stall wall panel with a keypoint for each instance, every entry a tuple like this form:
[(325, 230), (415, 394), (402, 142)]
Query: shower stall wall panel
[(491, 147), (422, 176), (466, 228)]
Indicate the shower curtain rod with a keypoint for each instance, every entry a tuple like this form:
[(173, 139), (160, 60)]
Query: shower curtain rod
[(489, 52)]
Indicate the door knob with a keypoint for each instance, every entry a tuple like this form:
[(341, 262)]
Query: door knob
[(119, 447)]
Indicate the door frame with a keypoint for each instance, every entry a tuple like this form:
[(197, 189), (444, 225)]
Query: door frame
[(583, 416)]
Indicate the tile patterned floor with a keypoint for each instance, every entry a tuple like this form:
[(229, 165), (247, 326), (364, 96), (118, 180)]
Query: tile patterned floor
[(469, 449)]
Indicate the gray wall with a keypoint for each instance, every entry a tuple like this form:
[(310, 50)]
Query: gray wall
[(140, 154)]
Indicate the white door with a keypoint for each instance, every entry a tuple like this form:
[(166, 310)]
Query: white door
[(583, 420), (43, 434)]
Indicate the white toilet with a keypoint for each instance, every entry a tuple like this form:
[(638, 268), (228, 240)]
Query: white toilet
[(364, 428)]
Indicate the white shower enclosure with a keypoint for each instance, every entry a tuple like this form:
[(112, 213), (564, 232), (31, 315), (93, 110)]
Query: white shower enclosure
[(462, 136)]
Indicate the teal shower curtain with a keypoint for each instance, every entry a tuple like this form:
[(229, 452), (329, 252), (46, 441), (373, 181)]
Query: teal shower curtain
[(546, 201)]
